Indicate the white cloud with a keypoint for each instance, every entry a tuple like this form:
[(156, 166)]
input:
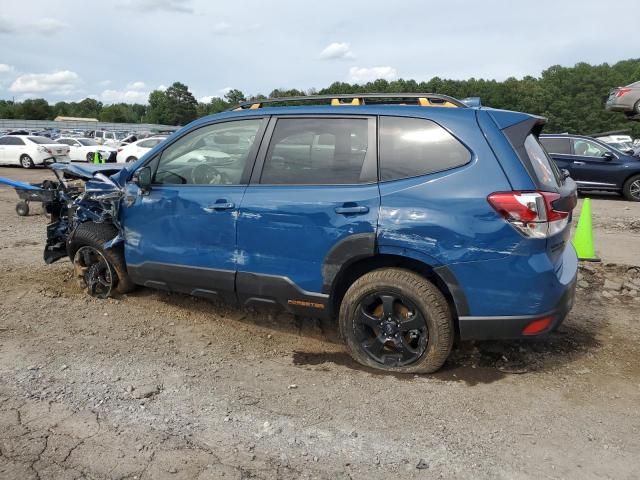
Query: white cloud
[(62, 82), (6, 69), (180, 6), (48, 26), (337, 51), (365, 74), (7, 25), (226, 28), (136, 86), (124, 96), (222, 28), (206, 98), (162, 88)]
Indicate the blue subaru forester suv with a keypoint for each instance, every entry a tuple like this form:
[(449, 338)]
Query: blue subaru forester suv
[(412, 218)]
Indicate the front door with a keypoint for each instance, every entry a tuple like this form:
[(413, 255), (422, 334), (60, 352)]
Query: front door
[(181, 235), (593, 165), (311, 207)]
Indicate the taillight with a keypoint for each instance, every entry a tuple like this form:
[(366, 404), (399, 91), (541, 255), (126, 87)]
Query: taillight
[(531, 213), (622, 91)]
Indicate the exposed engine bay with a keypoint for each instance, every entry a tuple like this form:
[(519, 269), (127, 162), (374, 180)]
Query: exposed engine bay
[(83, 194)]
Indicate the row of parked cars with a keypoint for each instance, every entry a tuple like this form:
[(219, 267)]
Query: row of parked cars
[(26, 149)]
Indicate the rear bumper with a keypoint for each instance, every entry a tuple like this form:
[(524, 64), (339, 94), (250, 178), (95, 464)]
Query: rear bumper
[(511, 327)]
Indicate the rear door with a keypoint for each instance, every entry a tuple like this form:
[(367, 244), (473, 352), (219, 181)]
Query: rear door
[(311, 207)]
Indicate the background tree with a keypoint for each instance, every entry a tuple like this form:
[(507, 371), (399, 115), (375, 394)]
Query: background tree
[(174, 106), (572, 98)]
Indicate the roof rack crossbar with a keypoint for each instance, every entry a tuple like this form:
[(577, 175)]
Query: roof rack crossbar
[(425, 99)]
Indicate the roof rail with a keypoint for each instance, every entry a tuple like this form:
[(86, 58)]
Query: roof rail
[(423, 99)]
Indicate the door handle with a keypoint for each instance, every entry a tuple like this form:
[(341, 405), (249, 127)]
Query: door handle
[(352, 210), (576, 162), (220, 206)]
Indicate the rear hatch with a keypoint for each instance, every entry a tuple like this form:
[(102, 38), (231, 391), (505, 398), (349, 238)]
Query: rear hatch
[(544, 212)]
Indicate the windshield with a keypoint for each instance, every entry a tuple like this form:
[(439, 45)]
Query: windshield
[(87, 142), (40, 140), (121, 135)]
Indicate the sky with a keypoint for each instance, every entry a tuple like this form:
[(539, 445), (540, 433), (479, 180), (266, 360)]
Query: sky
[(120, 50)]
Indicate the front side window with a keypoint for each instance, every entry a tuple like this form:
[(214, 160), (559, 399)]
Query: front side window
[(410, 147), (587, 148), (212, 155), (317, 151), (88, 142)]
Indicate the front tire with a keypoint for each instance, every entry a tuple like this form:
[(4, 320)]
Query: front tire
[(131, 159), (631, 189), (26, 161), (397, 321), (100, 271)]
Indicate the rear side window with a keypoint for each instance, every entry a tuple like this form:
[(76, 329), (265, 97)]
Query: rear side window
[(561, 146), (545, 168), (317, 151), (410, 147)]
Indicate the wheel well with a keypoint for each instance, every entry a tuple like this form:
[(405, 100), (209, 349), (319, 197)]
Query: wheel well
[(351, 272), (635, 174)]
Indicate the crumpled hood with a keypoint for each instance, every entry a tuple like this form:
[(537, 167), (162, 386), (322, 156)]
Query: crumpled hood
[(87, 171)]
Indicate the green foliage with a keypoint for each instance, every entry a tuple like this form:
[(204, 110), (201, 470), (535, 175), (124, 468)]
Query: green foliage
[(174, 106), (572, 98)]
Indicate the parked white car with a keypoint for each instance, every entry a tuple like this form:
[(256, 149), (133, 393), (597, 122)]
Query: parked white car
[(28, 151), (133, 151), (84, 149)]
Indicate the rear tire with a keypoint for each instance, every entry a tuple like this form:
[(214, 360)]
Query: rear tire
[(94, 235), (26, 162), (636, 108), (131, 159), (422, 347), (631, 189)]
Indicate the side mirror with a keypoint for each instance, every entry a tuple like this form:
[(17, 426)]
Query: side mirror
[(565, 174), (608, 156), (142, 178)]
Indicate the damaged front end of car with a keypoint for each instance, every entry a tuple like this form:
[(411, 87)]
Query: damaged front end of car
[(88, 193)]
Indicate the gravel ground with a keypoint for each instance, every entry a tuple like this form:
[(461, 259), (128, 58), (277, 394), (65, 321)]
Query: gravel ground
[(157, 385)]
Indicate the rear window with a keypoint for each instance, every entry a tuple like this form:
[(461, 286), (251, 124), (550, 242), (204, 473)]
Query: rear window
[(560, 146), (40, 140), (410, 147), (546, 170)]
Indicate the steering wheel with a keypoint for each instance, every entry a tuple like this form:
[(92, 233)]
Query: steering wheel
[(205, 174)]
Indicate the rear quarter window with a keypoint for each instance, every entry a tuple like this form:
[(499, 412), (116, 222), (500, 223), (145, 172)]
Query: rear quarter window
[(411, 147), (546, 170)]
